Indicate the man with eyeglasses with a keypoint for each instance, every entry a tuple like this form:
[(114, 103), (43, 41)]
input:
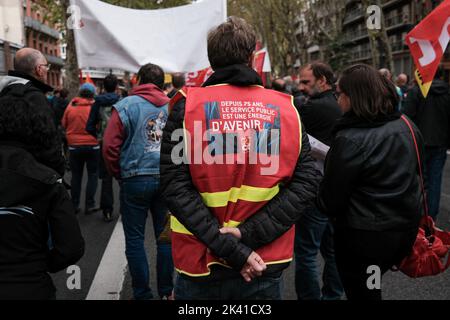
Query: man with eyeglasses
[(28, 82)]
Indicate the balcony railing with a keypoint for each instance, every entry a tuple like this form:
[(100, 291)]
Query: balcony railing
[(360, 55), (353, 14), (398, 46), (396, 20), (355, 34), (38, 26)]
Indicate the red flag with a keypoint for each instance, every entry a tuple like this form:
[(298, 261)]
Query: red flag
[(259, 46), (428, 42), (88, 79), (196, 79), (258, 64)]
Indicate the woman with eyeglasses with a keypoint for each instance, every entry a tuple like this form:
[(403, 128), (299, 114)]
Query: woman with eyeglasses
[(371, 185)]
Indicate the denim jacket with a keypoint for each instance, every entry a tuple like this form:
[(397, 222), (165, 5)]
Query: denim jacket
[(143, 123)]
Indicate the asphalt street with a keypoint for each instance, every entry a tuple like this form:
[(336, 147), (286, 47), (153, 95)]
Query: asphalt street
[(97, 233)]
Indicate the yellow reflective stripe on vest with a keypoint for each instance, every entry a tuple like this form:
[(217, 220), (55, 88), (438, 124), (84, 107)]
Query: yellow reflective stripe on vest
[(177, 227), (247, 193)]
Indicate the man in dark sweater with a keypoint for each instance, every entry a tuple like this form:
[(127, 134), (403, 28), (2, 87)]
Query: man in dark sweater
[(27, 82), (314, 232), (432, 116)]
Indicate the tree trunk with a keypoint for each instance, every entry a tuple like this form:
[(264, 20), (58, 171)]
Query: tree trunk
[(72, 82), (380, 36)]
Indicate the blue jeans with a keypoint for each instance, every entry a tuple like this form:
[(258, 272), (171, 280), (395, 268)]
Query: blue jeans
[(78, 158), (435, 158), (314, 233), (260, 288), (137, 196)]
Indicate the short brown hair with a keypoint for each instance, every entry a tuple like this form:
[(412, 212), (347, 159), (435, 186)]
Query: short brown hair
[(151, 73), (320, 70), (232, 42), (370, 93)]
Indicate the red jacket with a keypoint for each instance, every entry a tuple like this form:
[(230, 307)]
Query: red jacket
[(74, 121)]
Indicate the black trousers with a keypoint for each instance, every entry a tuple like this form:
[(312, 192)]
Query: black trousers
[(107, 193), (357, 250)]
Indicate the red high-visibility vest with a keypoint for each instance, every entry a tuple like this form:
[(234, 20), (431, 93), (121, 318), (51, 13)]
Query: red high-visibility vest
[(232, 134)]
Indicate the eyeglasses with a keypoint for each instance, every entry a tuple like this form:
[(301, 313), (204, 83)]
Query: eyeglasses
[(47, 66)]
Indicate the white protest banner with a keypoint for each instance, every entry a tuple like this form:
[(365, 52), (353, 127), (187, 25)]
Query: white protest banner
[(110, 36)]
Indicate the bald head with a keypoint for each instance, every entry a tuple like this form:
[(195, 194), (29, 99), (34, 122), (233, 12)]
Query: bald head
[(386, 73), (27, 59), (402, 79)]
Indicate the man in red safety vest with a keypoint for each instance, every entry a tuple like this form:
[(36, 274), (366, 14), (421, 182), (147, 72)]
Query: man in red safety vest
[(237, 173)]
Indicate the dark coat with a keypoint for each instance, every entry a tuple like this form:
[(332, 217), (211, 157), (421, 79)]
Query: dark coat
[(277, 217), (34, 206), (371, 179), (319, 114), (431, 115), (33, 91)]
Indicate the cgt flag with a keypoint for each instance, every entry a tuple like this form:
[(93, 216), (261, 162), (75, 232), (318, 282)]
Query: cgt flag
[(428, 42)]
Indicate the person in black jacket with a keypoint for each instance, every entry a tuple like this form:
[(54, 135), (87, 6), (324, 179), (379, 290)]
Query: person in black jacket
[(39, 232), (314, 233), (234, 245), (316, 83), (27, 81), (96, 125), (59, 104), (432, 117), (371, 186)]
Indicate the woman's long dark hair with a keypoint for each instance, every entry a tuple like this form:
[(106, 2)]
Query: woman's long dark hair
[(371, 95)]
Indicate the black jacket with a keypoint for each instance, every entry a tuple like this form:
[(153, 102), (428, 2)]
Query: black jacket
[(269, 223), (431, 115), (33, 91), (371, 179), (59, 106), (318, 114), (34, 206)]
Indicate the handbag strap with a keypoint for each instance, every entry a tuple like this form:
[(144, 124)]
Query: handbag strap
[(425, 206)]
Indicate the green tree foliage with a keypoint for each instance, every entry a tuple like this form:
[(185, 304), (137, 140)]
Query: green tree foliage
[(276, 22)]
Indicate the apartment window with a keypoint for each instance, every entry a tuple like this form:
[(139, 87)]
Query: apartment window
[(406, 14), (34, 44)]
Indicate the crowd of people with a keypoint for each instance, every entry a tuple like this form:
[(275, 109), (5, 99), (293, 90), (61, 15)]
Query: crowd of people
[(223, 230)]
